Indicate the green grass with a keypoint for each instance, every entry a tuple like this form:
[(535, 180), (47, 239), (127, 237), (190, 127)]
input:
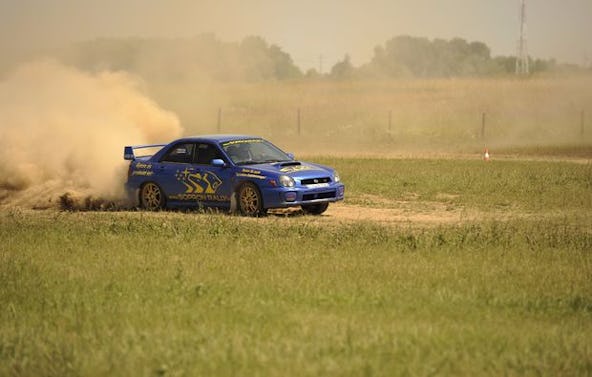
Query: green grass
[(186, 294), (509, 185)]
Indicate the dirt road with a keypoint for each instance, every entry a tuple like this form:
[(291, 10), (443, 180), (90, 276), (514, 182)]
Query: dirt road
[(348, 212)]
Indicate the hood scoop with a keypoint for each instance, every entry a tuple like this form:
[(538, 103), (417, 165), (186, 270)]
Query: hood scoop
[(290, 163)]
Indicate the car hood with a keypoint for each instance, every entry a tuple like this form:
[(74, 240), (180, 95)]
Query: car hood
[(294, 169)]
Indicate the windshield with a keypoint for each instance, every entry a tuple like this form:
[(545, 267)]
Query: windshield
[(253, 151)]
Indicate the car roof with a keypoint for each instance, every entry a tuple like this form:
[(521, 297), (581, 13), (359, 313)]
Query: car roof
[(215, 138)]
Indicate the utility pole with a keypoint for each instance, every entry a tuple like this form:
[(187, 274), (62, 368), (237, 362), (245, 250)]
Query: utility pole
[(522, 67), (320, 64)]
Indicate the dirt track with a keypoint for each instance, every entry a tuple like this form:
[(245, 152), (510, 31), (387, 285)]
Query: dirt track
[(348, 212), (401, 212), (362, 208)]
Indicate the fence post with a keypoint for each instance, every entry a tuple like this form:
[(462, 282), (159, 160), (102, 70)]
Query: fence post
[(298, 121), (390, 123), (483, 125), (219, 120)]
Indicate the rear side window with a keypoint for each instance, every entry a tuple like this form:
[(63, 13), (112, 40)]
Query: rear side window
[(180, 153)]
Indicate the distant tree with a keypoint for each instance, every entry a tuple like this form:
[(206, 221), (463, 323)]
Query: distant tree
[(343, 69), (419, 57), (180, 59), (480, 49), (263, 62), (253, 59), (312, 74), (284, 67), (505, 64), (384, 65), (412, 53), (538, 65)]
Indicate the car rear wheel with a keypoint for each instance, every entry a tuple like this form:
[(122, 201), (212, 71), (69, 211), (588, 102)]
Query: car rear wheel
[(151, 197), (250, 202), (315, 209)]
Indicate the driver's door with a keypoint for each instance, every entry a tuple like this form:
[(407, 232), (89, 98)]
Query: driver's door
[(212, 184), (171, 170)]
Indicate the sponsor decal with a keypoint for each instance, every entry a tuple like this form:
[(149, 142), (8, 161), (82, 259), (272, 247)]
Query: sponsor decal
[(199, 186), (142, 165), (245, 175), (142, 169), (198, 183), (296, 168), (201, 197), (317, 185), (143, 173), (250, 173), (244, 141)]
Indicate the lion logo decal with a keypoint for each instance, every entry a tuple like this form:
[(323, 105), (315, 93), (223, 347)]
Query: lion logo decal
[(199, 182)]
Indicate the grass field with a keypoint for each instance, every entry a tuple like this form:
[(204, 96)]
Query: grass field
[(537, 187), (507, 292)]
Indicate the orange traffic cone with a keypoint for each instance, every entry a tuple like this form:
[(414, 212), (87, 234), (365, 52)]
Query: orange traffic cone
[(486, 155)]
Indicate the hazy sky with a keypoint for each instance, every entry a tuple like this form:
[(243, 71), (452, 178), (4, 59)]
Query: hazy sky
[(306, 28)]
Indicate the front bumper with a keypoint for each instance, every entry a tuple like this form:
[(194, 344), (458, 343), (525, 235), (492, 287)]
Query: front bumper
[(282, 197)]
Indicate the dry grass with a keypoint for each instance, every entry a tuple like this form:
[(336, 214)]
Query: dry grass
[(443, 116)]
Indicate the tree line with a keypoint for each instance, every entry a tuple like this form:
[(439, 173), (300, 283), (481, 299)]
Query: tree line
[(254, 59)]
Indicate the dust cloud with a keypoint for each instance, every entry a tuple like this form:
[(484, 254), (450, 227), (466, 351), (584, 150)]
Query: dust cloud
[(62, 133)]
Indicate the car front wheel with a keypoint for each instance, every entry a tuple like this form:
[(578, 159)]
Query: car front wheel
[(151, 197), (250, 201), (315, 209)]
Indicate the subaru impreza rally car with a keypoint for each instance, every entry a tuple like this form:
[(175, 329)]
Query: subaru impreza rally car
[(243, 173)]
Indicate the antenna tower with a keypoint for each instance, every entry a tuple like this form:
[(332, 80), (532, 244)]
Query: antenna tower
[(522, 53)]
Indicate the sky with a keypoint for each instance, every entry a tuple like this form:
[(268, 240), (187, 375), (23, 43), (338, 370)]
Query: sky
[(306, 29)]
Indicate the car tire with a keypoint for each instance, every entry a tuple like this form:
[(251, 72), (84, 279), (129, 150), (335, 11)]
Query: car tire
[(151, 197), (315, 209), (250, 201)]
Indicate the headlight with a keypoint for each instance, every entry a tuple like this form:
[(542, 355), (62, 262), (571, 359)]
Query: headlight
[(286, 181), (336, 176)]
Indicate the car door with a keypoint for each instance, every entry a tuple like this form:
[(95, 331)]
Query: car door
[(172, 170), (212, 184)]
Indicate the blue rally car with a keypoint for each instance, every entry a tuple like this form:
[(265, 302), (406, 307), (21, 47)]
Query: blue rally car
[(243, 173)]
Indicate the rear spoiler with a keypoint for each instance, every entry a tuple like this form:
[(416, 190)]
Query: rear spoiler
[(128, 151)]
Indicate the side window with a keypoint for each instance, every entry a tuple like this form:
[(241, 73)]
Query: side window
[(180, 153), (206, 153)]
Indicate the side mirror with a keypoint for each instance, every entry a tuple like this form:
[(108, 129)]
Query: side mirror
[(219, 163), (291, 155)]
